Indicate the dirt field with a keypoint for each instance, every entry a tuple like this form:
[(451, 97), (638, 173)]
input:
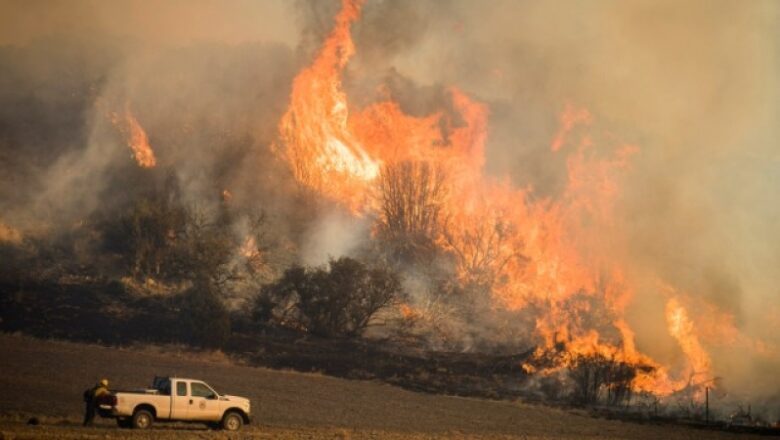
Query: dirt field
[(44, 379)]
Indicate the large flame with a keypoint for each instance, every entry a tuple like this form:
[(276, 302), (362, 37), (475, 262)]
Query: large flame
[(135, 136), (531, 251), (324, 153), (681, 327)]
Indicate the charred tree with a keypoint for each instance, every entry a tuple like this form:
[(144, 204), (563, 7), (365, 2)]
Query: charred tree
[(598, 378), (412, 197)]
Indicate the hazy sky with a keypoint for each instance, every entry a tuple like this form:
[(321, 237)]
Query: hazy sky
[(164, 22)]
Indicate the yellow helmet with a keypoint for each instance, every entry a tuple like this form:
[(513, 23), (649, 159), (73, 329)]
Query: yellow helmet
[(104, 382)]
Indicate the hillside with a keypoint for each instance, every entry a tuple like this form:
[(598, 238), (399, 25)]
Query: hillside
[(45, 379)]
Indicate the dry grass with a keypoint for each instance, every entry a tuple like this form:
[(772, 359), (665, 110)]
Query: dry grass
[(45, 379), (185, 352)]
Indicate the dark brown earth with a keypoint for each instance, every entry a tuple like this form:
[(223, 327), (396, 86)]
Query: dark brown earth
[(104, 312), (44, 379)]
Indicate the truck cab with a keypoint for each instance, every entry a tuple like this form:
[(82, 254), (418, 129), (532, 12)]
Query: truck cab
[(180, 399)]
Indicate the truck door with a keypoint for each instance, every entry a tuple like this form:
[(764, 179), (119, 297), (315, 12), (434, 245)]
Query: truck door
[(180, 401), (205, 403)]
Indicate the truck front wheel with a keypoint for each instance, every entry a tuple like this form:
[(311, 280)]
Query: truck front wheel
[(142, 419), (232, 421)]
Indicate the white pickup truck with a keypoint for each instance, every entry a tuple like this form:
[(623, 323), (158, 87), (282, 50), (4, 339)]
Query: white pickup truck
[(176, 399)]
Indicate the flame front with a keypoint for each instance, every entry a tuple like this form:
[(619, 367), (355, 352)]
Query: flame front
[(531, 251), (682, 329), (136, 138), (324, 153)]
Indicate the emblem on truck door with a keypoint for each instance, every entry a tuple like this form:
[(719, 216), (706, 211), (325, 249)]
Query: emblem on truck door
[(202, 405)]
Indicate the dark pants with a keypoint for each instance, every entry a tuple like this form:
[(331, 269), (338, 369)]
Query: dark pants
[(89, 413)]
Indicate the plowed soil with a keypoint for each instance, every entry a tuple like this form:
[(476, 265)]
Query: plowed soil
[(44, 380)]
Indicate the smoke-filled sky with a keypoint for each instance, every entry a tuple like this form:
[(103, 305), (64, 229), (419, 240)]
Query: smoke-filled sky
[(694, 84), (168, 22)]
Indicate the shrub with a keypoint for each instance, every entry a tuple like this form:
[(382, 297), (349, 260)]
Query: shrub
[(158, 236), (412, 197), (597, 377), (203, 318), (337, 300)]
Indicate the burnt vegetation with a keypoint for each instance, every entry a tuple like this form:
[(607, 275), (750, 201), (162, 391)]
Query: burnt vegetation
[(154, 260), (412, 198), (337, 300), (154, 267), (600, 379)]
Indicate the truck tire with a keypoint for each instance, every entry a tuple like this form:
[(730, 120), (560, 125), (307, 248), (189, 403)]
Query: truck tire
[(232, 421), (142, 419)]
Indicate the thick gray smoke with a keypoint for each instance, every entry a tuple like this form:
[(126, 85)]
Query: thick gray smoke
[(207, 90), (695, 85)]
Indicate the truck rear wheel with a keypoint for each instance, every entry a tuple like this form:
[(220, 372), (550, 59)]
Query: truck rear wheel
[(232, 421), (142, 419)]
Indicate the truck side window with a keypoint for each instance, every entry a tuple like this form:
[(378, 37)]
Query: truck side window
[(181, 388), (201, 390), (164, 387)]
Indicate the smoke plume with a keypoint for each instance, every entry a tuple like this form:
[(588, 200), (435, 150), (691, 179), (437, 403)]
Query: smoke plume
[(694, 85)]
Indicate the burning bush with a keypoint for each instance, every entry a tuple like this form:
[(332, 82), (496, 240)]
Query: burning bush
[(158, 236), (337, 300), (598, 378), (412, 198)]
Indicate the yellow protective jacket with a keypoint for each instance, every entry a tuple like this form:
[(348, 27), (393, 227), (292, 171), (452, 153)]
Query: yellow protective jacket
[(99, 390)]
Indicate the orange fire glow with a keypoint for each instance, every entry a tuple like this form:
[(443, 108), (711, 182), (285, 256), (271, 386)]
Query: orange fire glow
[(530, 250), (9, 234), (136, 138), (682, 329)]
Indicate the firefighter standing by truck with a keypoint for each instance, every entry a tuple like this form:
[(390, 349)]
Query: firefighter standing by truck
[(91, 397)]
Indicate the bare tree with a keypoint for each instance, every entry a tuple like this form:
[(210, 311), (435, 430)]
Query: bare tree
[(482, 248), (412, 200), (597, 377)]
